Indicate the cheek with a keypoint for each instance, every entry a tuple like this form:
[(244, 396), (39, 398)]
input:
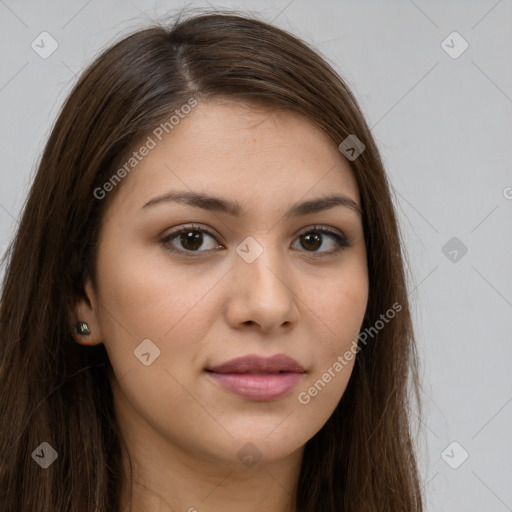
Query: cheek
[(346, 314), (340, 304), (146, 294), (143, 297), (338, 308)]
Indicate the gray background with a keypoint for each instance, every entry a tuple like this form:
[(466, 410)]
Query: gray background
[(444, 127)]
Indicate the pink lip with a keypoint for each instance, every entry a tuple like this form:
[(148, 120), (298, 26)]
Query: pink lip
[(258, 378)]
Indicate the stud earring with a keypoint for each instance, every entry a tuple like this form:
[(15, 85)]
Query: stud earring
[(82, 328)]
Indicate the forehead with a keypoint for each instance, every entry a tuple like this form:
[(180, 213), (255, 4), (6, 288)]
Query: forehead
[(240, 151)]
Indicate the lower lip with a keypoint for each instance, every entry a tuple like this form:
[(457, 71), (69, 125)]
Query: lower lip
[(258, 387)]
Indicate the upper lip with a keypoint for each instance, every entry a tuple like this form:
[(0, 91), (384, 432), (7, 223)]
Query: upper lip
[(259, 364)]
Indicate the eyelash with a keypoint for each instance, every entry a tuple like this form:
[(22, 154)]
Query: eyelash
[(341, 241)]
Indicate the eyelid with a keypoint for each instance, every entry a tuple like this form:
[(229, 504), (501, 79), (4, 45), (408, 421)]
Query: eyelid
[(320, 228)]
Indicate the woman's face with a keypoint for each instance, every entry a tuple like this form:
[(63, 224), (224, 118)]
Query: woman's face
[(266, 282)]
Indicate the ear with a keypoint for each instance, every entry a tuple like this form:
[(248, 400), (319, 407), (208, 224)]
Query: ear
[(86, 310)]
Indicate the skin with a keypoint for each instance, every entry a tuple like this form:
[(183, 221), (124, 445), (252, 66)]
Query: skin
[(182, 430)]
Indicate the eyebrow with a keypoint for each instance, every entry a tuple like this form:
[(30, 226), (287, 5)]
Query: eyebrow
[(234, 208)]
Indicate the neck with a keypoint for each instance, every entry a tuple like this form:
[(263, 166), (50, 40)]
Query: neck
[(173, 481)]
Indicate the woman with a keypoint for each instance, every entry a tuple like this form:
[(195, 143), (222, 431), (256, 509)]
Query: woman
[(204, 306)]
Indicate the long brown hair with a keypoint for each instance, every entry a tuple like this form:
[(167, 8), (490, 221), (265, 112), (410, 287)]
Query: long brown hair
[(53, 389)]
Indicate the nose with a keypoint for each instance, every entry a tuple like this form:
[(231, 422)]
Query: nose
[(262, 293)]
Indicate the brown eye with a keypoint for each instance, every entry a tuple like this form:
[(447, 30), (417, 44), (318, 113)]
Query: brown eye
[(190, 239), (317, 237), (311, 241), (194, 240)]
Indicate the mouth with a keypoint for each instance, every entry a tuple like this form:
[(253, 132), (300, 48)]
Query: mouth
[(258, 378)]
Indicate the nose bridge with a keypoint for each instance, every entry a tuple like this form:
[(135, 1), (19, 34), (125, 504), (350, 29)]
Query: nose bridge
[(262, 278), (260, 259)]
